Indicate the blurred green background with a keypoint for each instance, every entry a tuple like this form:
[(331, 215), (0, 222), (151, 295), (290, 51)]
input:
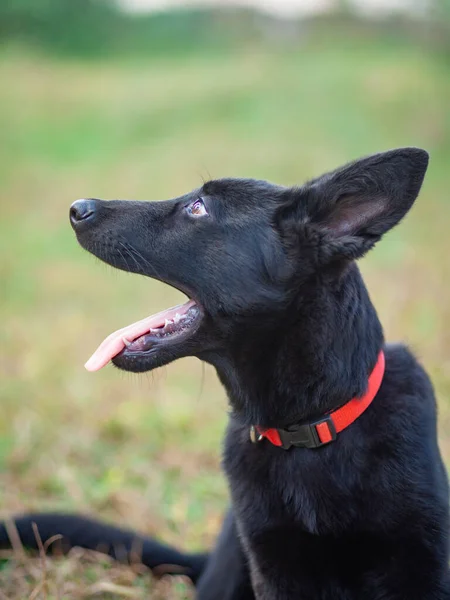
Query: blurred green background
[(95, 102)]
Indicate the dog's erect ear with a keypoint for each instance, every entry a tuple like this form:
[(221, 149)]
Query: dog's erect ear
[(355, 205)]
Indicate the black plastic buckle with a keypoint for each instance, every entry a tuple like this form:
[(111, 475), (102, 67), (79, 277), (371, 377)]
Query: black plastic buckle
[(306, 435)]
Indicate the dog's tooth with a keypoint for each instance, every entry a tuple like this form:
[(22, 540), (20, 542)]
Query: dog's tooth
[(168, 322), (126, 342), (177, 318), (153, 330)]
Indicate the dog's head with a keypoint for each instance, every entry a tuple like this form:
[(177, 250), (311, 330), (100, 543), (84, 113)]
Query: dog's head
[(241, 250)]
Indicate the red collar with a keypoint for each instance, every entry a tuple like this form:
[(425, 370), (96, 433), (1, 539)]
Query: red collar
[(322, 431)]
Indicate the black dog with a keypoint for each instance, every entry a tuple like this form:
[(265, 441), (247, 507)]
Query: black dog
[(346, 496)]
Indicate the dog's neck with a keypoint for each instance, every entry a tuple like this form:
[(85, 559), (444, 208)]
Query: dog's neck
[(315, 359)]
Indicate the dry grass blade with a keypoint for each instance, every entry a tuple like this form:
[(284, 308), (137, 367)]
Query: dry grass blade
[(42, 585), (135, 554), (14, 538), (119, 591), (163, 570), (52, 540)]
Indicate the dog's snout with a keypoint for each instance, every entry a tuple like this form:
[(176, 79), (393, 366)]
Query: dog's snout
[(82, 211)]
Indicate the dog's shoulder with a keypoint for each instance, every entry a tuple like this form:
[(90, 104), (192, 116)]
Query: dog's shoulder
[(405, 375), (407, 407)]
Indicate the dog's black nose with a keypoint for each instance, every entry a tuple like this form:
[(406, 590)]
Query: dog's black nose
[(82, 210)]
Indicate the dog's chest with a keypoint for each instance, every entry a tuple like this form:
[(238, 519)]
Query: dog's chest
[(271, 487)]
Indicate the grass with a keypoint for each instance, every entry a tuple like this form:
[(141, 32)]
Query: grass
[(145, 450)]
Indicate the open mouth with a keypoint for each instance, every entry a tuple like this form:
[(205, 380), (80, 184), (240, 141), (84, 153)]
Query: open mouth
[(143, 337)]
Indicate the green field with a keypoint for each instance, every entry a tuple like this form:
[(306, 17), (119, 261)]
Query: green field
[(145, 450)]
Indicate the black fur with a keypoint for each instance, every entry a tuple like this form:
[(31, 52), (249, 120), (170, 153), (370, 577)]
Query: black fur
[(289, 326)]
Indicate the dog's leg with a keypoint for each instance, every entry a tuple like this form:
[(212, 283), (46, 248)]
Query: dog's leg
[(121, 544), (226, 575)]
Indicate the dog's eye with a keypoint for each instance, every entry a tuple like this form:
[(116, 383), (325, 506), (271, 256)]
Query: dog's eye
[(197, 208)]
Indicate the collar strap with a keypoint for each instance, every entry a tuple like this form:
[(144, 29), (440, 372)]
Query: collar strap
[(314, 434)]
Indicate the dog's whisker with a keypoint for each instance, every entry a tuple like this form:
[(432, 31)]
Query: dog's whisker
[(131, 255), (124, 259), (133, 250)]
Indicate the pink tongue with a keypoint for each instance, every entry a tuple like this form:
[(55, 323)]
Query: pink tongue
[(115, 342)]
